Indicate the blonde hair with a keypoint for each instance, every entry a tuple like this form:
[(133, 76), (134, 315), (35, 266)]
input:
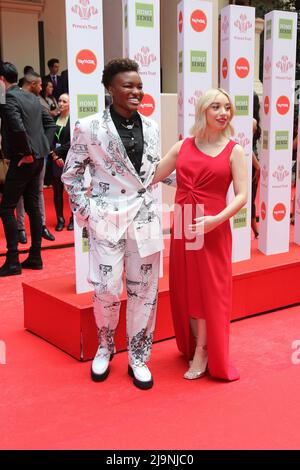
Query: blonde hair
[(199, 128)]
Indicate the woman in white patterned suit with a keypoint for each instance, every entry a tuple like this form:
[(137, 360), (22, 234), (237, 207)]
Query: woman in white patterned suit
[(121, 149)]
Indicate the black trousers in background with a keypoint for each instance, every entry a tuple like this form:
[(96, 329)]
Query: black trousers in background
[(23, 180), (58, 195)]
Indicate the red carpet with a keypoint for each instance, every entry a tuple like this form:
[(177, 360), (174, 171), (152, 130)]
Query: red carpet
[(49, 402)]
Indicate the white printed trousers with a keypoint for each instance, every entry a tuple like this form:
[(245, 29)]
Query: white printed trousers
[(107, 263)]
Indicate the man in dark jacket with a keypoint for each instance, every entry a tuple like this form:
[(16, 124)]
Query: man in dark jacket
[(26, 129)]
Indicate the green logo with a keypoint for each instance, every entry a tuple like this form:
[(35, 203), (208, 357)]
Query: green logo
[(180, 63), (199, 61), (85, 241), (242, 105), (269, 29), (144, 13), (282, 140), (285, 28), (240, 219), (265, 140), (87, 105), (126, 16)]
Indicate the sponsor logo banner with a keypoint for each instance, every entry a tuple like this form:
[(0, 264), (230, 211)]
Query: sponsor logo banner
[(242, 105), (198, 21), (267, 105), (199, 61), (285, 28), (86, 61), (180, 22), (279, 212), (225, 68), (242, 67), (147, 106), (180, 62), (240, 219), (283, 105), (144, 15), (263, 210), (281, 140), (269, 29), (265, 140), (87, 105)]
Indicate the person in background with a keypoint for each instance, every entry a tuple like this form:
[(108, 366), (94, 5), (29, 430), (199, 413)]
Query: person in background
[(201, 244), (26, 130), (27, 69), (48, 99), (58, 154), (32, 82), (53, 65)]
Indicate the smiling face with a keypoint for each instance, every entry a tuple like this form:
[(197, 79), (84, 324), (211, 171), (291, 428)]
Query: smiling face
[(127, 93), (218, 114)]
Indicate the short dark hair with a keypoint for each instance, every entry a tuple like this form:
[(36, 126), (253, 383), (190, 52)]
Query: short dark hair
[(116, 66), (31, 77), (9, 72), (51, 62), (28, 69)]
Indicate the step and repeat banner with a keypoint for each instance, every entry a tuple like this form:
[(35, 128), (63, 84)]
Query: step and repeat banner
[(84, 21), (141, 42), (236, 77), (194, 39), (277, 131), (297, 192)]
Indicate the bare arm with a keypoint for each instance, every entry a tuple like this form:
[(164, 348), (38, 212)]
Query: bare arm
[(240, 185), (167, 164)]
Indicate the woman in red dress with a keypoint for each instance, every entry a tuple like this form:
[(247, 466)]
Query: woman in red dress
[(200, 255)]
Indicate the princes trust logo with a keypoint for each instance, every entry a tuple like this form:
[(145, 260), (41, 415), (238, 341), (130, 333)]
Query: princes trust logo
[(243, 24), (281, 173), (284, 65), (242, 139), (268, 65), (144, 57), (196, 96), (264, 172), (225, 25), (84, 9)]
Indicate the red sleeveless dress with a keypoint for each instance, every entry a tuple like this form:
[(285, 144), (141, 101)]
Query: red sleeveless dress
[(201, 278)]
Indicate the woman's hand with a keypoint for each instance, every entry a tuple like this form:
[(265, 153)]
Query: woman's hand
[(204, 224)]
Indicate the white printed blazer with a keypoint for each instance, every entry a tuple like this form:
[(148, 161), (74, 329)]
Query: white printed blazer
[(118, 196)]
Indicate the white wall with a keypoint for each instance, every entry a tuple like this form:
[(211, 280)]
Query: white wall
[(54, 18), (20, 46)]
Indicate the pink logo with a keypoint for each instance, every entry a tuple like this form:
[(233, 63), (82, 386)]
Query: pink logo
[(84, 10), (264, 172), (225, 26), (284, 64), (180, 100), (196, 96), (267, 65), (144, 57), (242, 140), (280, 173), (243, 24)]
